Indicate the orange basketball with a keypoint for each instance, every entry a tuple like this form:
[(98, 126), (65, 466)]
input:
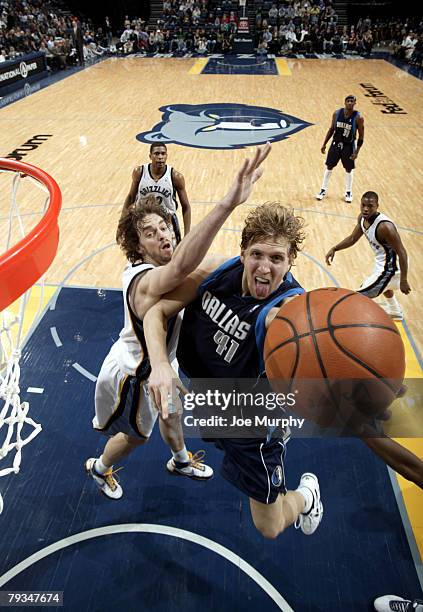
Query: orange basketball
[(339, 352)]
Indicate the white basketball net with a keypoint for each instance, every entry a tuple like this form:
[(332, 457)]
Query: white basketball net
[(16, 428)]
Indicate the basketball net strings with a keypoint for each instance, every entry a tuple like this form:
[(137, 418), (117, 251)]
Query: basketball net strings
[(13, 412)]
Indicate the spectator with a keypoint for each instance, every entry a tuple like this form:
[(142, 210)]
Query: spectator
[(367, 43), (416, 58), (409, 44), (108, 31), (327, 41)]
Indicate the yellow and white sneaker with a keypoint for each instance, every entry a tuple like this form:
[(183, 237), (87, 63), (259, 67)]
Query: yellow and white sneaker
[(194, 469), (107, 483)]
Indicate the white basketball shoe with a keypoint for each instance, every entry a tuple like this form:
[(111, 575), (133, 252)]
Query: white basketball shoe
[(309, 521)]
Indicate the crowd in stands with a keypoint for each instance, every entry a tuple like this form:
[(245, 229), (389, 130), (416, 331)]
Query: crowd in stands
[(403, 37), (27, 26), (186, 26), (201, 27), (311, 26)]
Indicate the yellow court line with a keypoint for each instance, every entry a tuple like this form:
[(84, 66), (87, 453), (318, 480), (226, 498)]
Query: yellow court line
[(283, 68), (199, 66), (412, 495)]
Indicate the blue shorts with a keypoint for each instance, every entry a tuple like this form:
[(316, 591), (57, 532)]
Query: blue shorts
[(339, 151), (254, 466)]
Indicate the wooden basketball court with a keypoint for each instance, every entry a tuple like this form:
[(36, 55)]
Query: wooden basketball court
[(94, 116), (90, 122)]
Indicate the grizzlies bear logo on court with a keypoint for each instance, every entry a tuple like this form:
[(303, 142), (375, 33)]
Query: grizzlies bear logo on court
[(222, 126)]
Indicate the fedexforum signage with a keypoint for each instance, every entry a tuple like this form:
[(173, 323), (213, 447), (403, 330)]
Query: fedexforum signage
[(389, 106), (29, 145)]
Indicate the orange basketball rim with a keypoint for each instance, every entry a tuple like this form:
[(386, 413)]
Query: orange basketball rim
[(24, 263)]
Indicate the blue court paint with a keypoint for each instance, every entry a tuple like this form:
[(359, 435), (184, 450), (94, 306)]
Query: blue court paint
[(360, 550), (232, 64)]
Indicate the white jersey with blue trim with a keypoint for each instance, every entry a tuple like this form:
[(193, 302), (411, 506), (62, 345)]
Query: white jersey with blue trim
[(162, 188), (130, 350), (385, 255)]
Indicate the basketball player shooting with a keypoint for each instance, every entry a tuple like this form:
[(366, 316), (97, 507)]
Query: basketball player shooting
[(228, 308)]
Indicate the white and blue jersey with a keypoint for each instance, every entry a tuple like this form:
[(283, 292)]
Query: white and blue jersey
[(386, 274), (122, 401)]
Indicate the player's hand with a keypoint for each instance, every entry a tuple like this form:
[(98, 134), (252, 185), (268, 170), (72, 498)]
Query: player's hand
[(323, 149), (404, 286), (354, 155), (247, 175), (330, 255), (164, 386)]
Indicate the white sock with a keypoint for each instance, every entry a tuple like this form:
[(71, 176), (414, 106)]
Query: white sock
[(326, 178), (181, 456), (393, 302), (308, 498), (349, 180), (99, 466)]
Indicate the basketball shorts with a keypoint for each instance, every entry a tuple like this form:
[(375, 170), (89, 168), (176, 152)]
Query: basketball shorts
[(122, 403), (340, 151), (380, 281), (254, 466)]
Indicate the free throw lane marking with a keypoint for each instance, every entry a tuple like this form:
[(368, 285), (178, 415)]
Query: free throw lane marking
[(283, 68), (199, 66)]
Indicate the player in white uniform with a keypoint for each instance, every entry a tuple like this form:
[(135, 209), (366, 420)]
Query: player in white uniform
[(123, 408), (163, 181), (391, 261)]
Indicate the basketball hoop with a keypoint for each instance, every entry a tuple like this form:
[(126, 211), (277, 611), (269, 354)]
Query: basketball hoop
[(21, 266)]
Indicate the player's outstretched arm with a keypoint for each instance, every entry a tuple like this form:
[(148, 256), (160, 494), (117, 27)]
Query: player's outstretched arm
[(163, 381), (348, 242), (398, 458), (194, 246)]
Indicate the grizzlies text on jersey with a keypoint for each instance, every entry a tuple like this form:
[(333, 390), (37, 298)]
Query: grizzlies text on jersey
[(162, 187)]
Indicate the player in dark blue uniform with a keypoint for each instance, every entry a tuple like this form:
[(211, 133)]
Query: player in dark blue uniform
[(228, 307), (345, 124)]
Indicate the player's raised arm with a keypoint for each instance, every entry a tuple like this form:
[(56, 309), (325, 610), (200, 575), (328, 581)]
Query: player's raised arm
[(163, 379), (194, 246)]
